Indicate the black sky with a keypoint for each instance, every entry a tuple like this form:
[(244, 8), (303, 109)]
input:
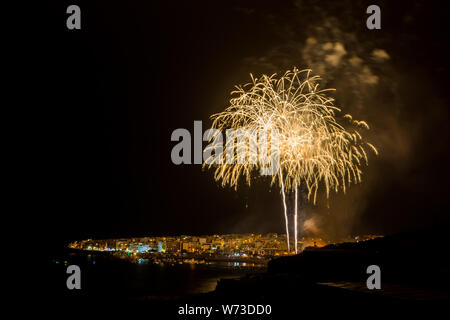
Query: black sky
[(113, 92)]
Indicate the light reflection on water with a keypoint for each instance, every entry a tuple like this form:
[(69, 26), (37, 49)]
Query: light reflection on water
[(145, 278), (208, 284)]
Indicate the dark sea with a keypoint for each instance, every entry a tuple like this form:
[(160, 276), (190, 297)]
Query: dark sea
[(104, 276)]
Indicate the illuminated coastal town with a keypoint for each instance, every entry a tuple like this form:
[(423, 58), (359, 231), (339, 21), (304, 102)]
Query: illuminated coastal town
[(238, 249)]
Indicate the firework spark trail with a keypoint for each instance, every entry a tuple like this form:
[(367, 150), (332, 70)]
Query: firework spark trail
[(313, 148), (285, 211), (295, 218)]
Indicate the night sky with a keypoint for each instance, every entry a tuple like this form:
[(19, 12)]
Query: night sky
[(113, 92)]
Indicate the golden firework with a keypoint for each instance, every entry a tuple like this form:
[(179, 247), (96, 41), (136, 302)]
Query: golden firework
[(312, 147)]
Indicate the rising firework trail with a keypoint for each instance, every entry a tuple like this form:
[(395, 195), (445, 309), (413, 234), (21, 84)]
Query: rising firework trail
[(313, 149)]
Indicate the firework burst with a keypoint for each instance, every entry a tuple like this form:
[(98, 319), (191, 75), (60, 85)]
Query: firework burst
[(313, 149)]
